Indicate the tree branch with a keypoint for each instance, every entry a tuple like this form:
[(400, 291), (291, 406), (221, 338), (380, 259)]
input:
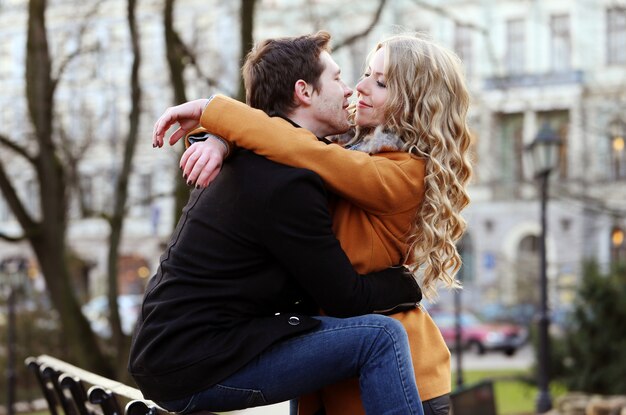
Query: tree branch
[(193, 60), (86, 19), (27, 223), (73, 153), (351, 39), (480, 29), (16, 148), (8, 238), (445, 13)]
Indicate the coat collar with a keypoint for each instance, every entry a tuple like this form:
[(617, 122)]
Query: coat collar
[(373, 142)]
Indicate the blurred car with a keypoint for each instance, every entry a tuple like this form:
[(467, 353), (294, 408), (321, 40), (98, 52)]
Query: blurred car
[(97, 312), (479, 336), (523, 314)]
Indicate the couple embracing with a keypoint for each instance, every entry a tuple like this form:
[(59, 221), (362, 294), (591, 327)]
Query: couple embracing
[(313, 204)]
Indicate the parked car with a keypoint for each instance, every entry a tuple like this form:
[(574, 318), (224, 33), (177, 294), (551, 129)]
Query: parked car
[(97, 312), (479, 336), (523, 314)]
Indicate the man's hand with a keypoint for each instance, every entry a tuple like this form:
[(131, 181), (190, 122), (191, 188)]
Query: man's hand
[(201, 162), (187, 115)]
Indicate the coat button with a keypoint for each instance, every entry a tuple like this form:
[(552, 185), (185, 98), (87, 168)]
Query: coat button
[(294, 321)]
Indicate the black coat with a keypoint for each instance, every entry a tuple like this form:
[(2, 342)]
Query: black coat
[(255, 243)]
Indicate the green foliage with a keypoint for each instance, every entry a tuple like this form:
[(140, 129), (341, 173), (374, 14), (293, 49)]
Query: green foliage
[(594, 347), (514, 393)]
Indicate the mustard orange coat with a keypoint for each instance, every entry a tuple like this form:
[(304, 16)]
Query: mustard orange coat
[(379, 197)]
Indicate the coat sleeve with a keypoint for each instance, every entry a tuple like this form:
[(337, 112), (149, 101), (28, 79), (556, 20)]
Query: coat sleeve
[(298, 233), (380, 184)]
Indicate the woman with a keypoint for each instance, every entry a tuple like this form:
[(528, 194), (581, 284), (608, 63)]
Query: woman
[(401, 204)]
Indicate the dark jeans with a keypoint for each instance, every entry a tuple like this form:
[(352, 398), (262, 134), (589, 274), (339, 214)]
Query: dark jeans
[(374, 347)]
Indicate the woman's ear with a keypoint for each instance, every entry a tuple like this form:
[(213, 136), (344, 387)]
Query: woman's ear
[(302, 93)]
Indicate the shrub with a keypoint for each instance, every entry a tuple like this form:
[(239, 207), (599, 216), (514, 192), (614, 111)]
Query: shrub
[(594, 346)]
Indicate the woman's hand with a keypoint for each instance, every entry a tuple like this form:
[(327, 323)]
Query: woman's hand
[(187, 115), (201, 162)]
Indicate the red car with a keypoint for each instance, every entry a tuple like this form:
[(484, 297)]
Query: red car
[(478, 336)]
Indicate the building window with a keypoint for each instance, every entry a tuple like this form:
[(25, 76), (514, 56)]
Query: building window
[(527, 268), (86, 195), (617, 129), (511, 148), (516, 45), (618, 245), (616, 35), (145, 193), (463, 46), (5, 211), (559, 123), (32, 197), (561, 44)]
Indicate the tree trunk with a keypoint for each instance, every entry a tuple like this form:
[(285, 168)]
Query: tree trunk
[(48, 240), (120, 340), (247, 39), (175, 56)]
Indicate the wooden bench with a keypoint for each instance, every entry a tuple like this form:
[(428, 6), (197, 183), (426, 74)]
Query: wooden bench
[(75, 391)]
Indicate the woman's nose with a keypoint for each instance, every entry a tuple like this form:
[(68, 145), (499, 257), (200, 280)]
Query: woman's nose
[(360, 87)]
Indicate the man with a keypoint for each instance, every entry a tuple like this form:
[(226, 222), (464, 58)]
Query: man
[(224, 323)]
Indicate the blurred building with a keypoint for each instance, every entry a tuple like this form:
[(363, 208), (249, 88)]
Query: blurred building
[(528, 62)]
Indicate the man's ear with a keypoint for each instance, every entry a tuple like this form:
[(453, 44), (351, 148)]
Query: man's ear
[(302, 93)]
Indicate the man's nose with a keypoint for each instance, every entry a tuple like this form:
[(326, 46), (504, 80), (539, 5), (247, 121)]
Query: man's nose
[(347, 91)]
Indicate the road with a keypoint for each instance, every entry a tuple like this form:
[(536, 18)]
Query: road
[(523, 359)]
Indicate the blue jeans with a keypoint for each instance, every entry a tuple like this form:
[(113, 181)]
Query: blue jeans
[(373, 347)]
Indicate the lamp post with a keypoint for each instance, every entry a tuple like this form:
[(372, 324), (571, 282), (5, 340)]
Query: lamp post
[(617, 130), (13, 269), (458, 341), (545, 154)]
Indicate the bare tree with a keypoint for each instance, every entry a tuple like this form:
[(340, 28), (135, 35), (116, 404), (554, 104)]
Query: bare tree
[(247, 39), (116, 219), (179, 57), (47, 233), (363, 33)]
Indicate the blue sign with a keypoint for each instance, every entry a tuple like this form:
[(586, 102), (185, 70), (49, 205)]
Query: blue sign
[(489, 260)]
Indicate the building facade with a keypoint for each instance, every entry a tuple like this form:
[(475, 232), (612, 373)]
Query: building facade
[(529, 63)]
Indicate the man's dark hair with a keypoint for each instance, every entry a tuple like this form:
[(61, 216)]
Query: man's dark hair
[(273, 67)]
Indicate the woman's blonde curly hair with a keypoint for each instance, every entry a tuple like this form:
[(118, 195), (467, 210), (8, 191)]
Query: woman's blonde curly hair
[(427, 107)]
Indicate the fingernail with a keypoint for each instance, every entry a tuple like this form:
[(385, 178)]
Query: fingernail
[(189, 183), (153, 145), (197, 186), (185, 176)]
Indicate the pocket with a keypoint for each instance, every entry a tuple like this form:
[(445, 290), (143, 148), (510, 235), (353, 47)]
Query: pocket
[(179, 406), (228, 398)]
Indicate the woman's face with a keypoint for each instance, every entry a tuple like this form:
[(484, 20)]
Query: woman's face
[(372, 93)]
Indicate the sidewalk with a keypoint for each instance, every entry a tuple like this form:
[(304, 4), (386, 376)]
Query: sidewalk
[(521, 360)]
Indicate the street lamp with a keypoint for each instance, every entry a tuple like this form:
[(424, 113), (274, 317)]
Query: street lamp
[(617, 130), (545, 150)]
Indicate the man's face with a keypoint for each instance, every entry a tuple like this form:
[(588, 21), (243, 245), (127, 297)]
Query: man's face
[(329, 105)]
